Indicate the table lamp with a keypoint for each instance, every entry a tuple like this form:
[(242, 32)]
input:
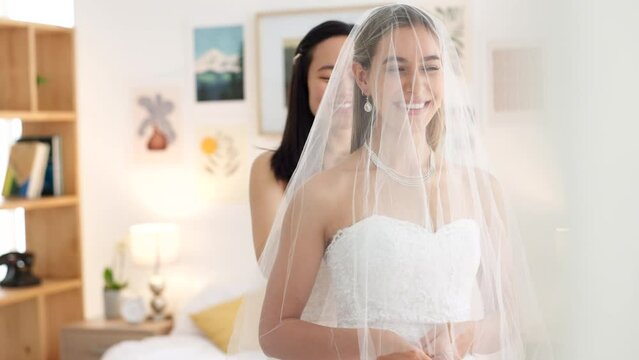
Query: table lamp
[(155, 244)]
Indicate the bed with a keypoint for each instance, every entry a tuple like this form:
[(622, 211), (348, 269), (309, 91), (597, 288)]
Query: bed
[(185, 340)]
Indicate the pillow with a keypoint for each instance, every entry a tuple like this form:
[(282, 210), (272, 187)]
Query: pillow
[(217, 322), (210, 295)]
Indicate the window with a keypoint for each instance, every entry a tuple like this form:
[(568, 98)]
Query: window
[(54, 12), (12, 233)]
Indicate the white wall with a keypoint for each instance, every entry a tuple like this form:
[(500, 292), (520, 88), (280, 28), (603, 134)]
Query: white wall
[(594, 79), (123, 44)]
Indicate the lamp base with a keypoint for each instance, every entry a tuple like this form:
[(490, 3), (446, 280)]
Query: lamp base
[(158, 304)]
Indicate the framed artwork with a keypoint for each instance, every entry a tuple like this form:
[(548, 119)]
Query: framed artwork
[(157, 125), (223, 162), (277, 37), (279, 33), (218, 55), (516, 81)]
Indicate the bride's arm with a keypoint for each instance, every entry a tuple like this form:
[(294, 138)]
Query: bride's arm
[(282, 333)]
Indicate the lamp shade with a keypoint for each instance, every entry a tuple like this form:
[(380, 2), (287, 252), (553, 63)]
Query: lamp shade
[(154, 244)]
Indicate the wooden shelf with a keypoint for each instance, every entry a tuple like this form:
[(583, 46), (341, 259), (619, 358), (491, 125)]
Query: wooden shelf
[(47, 287), (16, 23), (13, 23), (15, 71), (39, 116), (54, 63), (40, 203), (37, 86)]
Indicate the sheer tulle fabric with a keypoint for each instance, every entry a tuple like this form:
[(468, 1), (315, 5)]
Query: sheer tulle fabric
[(417, 248)]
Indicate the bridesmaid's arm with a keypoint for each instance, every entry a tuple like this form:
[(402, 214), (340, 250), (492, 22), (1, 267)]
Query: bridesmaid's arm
[(265, 195)]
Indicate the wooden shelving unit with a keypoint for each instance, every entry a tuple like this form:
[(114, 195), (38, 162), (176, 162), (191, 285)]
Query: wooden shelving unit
[(40, 116), (37, 85)]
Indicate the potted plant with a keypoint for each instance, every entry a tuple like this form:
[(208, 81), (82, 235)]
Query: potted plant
[(113, 282), (112, 289)]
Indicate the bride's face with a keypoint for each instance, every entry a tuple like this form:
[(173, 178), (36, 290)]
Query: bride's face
[(405, 76)]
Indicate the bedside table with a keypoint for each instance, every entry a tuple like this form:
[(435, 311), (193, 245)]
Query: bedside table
[(89, 340)]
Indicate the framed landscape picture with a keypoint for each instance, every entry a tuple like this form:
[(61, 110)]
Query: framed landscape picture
[(219, 63)]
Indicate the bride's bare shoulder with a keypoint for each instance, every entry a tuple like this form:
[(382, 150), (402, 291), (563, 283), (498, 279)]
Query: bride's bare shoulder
[(325, 189), (337, 175), (475, 174)]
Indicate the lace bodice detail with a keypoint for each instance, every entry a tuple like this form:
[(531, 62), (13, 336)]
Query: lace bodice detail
[(395, 274)]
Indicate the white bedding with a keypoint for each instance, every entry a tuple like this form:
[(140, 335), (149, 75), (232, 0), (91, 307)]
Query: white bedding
[(165, 347), (186, 342), (172, 347)]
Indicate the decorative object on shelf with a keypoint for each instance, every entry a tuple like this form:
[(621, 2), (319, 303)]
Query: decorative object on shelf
[(132, 308), (112, 289), (157, 117), (41, 80), (219, 63), (155, 244), (53, 175), (18, 270), (224, 162), (26, 170)]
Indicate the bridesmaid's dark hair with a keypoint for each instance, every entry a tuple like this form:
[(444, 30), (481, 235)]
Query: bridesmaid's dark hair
[(300, 118)]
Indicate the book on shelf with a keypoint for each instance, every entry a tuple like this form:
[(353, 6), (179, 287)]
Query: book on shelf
[(53, 184), (26, 170)]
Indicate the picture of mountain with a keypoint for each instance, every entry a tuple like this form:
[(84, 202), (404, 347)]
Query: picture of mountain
[(219, 63)]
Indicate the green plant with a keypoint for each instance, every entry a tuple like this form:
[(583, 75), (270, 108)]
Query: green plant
[(41, 80), (110, 283)]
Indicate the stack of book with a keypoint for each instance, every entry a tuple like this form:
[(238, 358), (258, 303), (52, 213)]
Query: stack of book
[(35, 168)]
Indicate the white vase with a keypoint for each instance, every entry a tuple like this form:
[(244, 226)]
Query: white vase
[(111, 304)]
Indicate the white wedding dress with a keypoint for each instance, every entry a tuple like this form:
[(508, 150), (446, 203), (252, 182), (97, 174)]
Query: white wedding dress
[(396, 275)]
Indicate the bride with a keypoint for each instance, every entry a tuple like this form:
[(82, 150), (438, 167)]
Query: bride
[(403, 248)]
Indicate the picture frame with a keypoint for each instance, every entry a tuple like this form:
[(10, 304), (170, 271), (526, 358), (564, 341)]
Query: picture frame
[(223, 162), (157, 130), (218, 58), (515, 81), (276, 32)]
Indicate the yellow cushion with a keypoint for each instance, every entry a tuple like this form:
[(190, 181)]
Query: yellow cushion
[(217, 322)]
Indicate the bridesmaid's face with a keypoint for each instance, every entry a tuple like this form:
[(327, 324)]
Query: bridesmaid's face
[(324, 57)]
